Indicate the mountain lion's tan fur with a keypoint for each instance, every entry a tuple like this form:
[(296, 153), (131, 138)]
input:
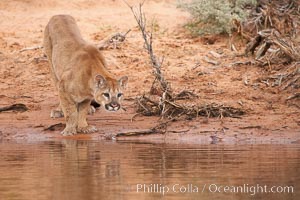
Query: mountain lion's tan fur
[(78, 70)]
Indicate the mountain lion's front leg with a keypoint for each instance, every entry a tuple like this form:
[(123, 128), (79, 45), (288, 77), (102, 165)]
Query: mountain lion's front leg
[(83, 109), (69, 108)]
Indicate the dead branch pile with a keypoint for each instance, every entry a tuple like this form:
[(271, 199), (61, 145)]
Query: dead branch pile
[(174, 110), (275, 43), (273, 27), (280, 49), (288, 77), (161, 101), (281, 15)]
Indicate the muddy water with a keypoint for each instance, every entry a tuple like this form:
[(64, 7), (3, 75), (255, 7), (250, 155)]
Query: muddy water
[(79, 170)]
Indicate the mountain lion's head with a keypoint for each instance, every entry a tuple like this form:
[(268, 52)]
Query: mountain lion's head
[(109, 92)]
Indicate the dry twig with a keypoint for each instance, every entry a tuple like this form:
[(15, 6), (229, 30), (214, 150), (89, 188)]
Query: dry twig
[(161, 101), (156, 62)]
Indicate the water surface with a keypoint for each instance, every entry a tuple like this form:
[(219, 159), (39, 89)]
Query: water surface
[(78, 170)]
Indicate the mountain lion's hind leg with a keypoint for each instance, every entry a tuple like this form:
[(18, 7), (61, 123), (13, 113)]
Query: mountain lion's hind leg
[(91, 110), (57, 112)]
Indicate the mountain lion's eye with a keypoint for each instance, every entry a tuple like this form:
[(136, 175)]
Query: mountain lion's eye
[(106, 95), (120, 94)]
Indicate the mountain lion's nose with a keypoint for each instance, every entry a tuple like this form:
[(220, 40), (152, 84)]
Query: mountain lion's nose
[(114, 104)]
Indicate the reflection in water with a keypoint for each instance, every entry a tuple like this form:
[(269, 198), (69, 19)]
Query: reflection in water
[(78, 170)]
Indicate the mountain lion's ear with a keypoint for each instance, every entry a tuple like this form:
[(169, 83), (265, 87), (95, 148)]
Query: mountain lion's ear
[(100, 81), (123, 81)]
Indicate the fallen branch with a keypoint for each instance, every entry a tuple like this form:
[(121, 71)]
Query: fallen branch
[(159, 129), (15, 107), (248, 62), (251, 127), (294, 96), (208, 60), (185, 95), (215, 54), (37, 60), (55, 127), (114, 40), (130, 133), (31, 48)]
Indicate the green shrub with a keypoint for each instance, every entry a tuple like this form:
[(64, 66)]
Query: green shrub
[(215, 16)]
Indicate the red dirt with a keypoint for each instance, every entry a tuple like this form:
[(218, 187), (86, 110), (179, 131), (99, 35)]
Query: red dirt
[(269, 117)]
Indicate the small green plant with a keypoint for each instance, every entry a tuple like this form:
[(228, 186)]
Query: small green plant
[(215, 16)]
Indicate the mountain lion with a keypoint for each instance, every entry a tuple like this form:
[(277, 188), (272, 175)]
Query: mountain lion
[(79, 72)]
